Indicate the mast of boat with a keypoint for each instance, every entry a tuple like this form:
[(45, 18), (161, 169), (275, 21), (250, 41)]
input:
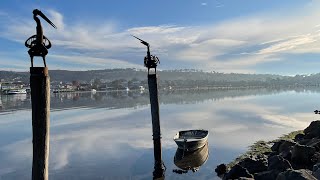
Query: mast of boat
[(151, 61)]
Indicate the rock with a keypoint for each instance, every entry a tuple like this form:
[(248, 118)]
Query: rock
[(221, 169), (314, 142), (276, 145), (282, 145), (315, 158), (313, 130), (286, 145), (255, 164), (301, 155), (304, 141), (296, 175), (237, 171), (286, 155), (299, 137), (316, 171), (278, 163), (266, 175)]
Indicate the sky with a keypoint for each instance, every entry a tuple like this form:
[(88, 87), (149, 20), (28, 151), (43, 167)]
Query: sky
[(247, 36)]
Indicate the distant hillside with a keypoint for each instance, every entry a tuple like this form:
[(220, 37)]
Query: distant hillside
[(128, 74), (178, 78)]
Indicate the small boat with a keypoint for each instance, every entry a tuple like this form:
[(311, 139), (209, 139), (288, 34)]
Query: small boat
[(191, 140), (63, 90), (16, 91)]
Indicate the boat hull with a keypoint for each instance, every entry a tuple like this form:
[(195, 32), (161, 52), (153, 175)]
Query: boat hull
[(13, 92), (191, 140), (191, 146)]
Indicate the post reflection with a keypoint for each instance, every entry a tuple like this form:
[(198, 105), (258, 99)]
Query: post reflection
[(190, 160)]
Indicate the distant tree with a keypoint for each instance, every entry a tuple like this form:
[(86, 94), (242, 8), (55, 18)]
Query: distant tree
[(96, 83), (75, 83)]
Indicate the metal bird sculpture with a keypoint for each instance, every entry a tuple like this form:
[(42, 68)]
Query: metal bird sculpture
[(150, 61), (39, 44)]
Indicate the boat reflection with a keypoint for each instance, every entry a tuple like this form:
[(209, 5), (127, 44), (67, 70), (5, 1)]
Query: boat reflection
[(190, 160)]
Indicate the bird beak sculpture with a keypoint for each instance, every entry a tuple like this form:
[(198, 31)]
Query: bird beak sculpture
[(44, 17), (142, 41)]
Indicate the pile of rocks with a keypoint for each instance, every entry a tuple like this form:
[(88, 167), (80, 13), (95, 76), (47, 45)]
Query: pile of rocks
[(290, 159)]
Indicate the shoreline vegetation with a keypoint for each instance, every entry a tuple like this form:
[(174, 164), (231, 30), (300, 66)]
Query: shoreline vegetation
[(291, 156)]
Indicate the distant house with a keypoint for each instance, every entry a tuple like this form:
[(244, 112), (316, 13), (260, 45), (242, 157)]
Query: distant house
[(134, 84), (85, 87)]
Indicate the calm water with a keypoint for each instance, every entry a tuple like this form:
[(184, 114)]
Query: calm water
[(109, 135)]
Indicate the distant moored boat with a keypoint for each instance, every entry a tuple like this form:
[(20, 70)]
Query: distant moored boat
[(16, 91)]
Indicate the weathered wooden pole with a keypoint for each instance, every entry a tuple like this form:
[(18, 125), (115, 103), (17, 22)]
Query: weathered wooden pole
[(153, 92), (40, 99), (151, 62)]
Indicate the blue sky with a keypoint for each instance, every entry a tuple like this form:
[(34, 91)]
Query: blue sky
[(247, 36)]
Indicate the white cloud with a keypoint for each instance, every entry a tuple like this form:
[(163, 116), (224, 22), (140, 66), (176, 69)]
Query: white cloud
[(98, 63), (235, 45)]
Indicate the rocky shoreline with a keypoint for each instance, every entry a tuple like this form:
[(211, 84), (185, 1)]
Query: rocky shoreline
[(293, 157)]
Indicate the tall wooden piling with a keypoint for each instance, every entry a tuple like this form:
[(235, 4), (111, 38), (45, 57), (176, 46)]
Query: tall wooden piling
[(151, 61), (40, 98), (153, 91)]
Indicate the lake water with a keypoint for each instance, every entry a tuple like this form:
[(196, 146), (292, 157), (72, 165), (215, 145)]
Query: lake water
[(109, 135)]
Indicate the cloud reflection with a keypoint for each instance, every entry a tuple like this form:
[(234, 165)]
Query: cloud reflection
[(82, 138)]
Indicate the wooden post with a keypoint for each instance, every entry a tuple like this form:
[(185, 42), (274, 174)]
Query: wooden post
[(153, 91), (40, 98)]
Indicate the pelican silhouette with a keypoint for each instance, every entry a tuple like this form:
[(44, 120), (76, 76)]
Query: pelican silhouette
[(39, 44)]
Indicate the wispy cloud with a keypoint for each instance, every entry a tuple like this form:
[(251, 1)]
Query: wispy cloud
[(219, 5), (233, 45)]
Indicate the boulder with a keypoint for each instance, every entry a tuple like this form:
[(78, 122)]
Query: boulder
[(286, 155), (255, 164), (300, 174), (313, 130), (276, 145), (221, 169), (316, 171), (266, 175), (282, 145), (299, 137), (304, 141), (302, 155), (286, 145), (314, 142), (315, 158), (236, 172), (278, 163)]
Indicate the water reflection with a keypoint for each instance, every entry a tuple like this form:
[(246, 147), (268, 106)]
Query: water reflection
[(109, 136), (133, 99), (190, 160)]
